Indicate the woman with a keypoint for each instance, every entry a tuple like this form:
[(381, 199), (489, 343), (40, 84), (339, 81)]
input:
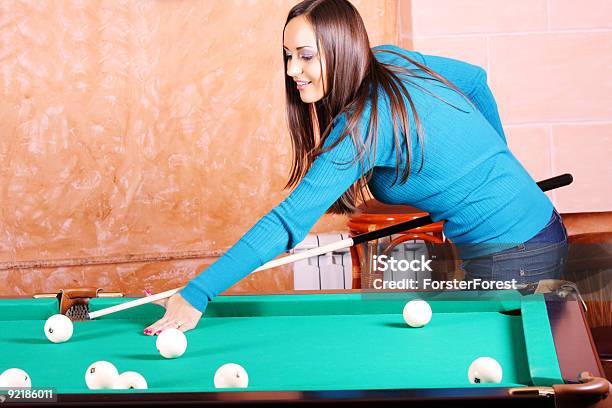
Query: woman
[(417, 130)]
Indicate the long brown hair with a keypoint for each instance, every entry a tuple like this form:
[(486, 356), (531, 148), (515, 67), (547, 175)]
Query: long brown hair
[(354, 78)]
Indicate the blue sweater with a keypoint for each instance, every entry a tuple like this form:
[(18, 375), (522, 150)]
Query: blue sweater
[(468, 177)]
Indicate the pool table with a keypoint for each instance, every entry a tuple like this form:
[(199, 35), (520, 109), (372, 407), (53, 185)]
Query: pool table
[(351, 347)]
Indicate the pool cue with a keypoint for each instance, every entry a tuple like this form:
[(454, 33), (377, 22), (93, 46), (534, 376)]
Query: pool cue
[(545, 185)]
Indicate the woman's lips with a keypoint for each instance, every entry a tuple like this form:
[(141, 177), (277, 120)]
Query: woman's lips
[(301, 86)]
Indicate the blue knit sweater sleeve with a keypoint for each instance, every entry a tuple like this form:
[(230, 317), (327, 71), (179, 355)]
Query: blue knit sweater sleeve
[(287, 224)]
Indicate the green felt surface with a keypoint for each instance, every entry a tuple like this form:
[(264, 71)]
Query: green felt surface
[(298, 342)]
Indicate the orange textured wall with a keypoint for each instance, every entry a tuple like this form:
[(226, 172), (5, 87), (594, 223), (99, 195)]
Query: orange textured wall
[(141, 139), (548, 64)]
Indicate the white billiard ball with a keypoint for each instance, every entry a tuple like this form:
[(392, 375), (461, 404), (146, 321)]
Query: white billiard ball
[(231, 376), (15, 378), (130, 380), (101, 375), (417, 313), (485, 370), (171, 343), (58, 328)]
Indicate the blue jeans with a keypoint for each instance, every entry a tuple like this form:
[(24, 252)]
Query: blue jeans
[(542, 257)]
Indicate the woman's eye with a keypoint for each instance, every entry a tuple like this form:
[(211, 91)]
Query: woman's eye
[(304, 57)]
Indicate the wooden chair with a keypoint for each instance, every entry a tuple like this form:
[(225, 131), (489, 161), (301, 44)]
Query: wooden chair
[(375, 215)]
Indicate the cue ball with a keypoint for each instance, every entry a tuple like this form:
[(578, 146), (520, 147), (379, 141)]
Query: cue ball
[(101, 375), (231, 376), (485, 370), (171, 343), (58, 328), (130, 380), (417, 313), (15, 377)]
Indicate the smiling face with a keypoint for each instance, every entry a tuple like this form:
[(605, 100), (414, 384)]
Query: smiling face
[(305, 62)]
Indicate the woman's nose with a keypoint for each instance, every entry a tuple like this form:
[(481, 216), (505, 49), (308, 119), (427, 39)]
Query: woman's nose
[(293, 68)]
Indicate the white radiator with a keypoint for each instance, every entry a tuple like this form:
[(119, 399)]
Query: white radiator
[(334, 269)]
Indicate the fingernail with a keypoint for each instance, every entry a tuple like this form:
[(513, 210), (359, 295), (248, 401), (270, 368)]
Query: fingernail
[(157, 332), (148, 292)]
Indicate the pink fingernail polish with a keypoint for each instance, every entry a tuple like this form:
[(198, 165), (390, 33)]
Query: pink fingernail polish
[(148, 292), (147, 331), (157, 332)]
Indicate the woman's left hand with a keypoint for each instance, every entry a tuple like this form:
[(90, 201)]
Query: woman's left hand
[(179, 315)]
